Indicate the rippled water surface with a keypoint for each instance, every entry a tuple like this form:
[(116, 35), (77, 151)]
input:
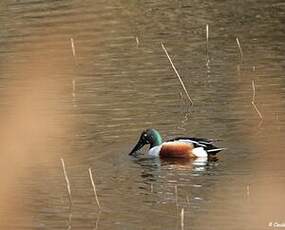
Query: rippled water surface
[(80, 80)]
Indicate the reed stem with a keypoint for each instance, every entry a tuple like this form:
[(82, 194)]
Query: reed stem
[(72, 47), (240, 49), (66, 181), (177, 74), (247, 190), (207, 44), (73, 87), (182, 218), (94, 188), (253, 100), (138, 42)]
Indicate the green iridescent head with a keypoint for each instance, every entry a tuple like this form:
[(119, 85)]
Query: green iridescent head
[(149, 136)]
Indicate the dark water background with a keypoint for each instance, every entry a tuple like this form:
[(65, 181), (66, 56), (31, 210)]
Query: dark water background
[(90, 108)]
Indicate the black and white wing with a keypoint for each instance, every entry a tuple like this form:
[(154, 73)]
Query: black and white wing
[(206, 144)]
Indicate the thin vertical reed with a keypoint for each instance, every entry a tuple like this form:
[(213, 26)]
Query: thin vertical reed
[(94, 188), (207, 44), (72, 47), (240, 49), (73, 87), (182, 218), (177, 74), (138, 42), (66, 181), (253, 100)]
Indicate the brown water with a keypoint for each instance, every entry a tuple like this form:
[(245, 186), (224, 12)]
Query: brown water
[(122, 84)]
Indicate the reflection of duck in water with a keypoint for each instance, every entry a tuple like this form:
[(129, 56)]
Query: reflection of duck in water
[(180, 147)]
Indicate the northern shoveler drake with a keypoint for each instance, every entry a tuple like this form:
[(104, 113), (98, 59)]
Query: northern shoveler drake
[(180, 147)]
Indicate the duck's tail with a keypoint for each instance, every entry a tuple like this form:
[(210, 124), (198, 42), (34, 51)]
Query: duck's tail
[(214, 151)]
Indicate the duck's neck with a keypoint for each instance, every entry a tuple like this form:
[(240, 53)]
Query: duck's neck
[(156, 139)]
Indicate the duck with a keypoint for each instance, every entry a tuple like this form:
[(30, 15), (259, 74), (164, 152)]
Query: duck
[(179, 147)]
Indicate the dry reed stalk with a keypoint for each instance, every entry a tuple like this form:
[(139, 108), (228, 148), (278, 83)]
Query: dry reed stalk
[(182, 218), (94, 188), (66, 181), (72, 47), (73, 87), (207, 44), (240, 49), (253, 101), (138, 42), (177, 74)]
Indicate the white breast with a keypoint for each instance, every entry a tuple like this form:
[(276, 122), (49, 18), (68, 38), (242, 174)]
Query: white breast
[(154, 151), (200, 152)]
